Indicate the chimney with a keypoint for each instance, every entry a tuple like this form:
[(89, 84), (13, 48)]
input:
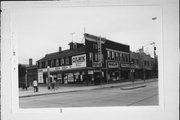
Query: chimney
[(60, 49), (30, 62)]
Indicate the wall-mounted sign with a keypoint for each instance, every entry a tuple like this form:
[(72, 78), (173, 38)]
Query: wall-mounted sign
[(40, 77), (79, 61), (70, 77), (113, 64), (90, 72), (125, 65), (96, 64)]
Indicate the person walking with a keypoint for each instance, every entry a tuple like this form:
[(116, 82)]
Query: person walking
[(35, 85), (53, 84)]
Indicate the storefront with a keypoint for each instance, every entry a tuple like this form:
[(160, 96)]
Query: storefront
[(125, 70), (113, 72)]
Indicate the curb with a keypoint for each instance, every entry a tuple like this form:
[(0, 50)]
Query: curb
[(132, 87), (98, 87)]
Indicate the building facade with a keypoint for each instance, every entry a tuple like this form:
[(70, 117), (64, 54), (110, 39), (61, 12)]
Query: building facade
[(97, 61), (143, 66)]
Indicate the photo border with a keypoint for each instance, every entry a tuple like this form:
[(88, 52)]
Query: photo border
[(10, 101)]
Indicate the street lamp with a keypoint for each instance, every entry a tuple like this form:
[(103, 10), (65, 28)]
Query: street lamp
[(153, 43)]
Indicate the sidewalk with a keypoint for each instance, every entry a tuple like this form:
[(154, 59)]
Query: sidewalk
[(64, 89)]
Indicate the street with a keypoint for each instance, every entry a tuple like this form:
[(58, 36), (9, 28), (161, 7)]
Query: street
[(145, 96)]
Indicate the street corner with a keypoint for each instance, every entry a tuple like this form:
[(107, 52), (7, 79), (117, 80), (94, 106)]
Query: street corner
[(131, 87)]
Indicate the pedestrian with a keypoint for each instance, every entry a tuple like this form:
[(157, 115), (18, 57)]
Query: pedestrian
[(53, 84), (35, 85)]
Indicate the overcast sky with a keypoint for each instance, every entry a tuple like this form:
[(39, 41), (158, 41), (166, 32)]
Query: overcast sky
[(42, 30)]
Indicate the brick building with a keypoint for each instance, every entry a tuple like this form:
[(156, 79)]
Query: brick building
[(98, 60), (143, 65)]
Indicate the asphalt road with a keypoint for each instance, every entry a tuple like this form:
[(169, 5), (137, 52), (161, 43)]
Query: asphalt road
[(145, 96)]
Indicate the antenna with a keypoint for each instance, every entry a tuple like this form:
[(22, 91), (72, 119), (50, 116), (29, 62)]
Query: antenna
[(72, 35)]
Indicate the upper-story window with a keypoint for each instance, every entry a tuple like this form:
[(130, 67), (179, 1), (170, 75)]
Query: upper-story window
[(67, 60), (113, 55), (54, 63), (62, 61), (43, 64), (117, 56), (49, 63), (90, 56), (96, 57), (59, 63), (95, 46), (127, 58), (108, 54), (120, 56)]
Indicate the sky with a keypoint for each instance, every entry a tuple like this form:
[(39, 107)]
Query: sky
[(39, 31)]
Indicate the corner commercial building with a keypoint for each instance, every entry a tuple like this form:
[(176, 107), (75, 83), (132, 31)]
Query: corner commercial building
[(98, 60)]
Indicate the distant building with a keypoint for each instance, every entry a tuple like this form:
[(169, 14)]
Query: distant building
[(98, 60), (144, 65)]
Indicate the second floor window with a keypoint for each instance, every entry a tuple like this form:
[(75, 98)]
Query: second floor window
[(113, 55), (57, 62), (108, 54), (117, 56), (67, 60), (49, 63), (62, 61), (96, 57), (95, 46), (90, 56)]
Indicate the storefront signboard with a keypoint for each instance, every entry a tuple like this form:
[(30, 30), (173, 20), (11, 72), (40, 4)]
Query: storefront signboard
[(113, 64), (79, 61), (96, 64), (125, 65), (90, 72)]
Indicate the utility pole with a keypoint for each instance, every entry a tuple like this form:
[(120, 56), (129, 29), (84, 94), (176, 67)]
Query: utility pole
[(142, 58)]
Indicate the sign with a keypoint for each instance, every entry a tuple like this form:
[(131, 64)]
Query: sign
[(125, 65), (79, 61), (113, 64), (96, 64), (55, 68), (70, 77), (40, 76), (90, 72)]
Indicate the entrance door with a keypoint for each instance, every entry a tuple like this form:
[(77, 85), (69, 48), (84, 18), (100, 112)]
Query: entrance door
[(97, 78)]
